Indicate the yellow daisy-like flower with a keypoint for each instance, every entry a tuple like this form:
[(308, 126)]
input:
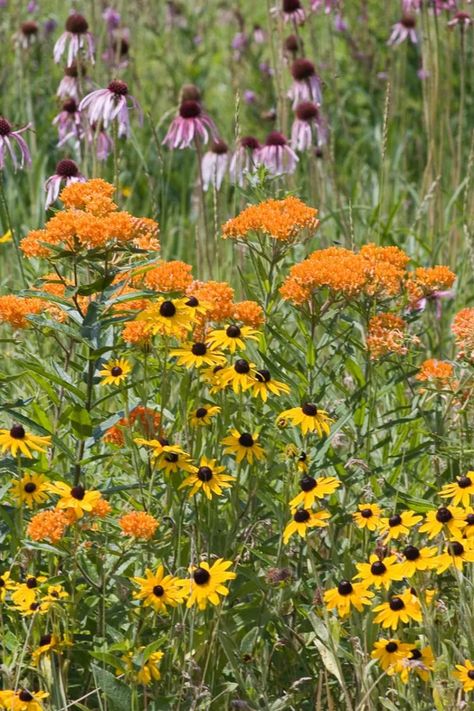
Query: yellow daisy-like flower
[(233, 337), (17, 440), (168, 318), (75, 498), (303, 520), (158, 590), (445, 519), (240, 375), (213, 378), (243, 445), (468, 531), (174, 460), (379, 572), (31, 489), (148, 672), (309, 418), (27, 592), (209, 478), (25, 700), (159, 446), (417, 559), (203, 415), (115, 371), (265, 385), (455, 555), (388, 653), (34, 608), (347, 595), (459, 491), (206, 583), (400, 608), (420, 661), (55, 593), (312, 489), (368, 516), (5, 584), (197, 354), (47, 644), (398, 524), (465, 675)]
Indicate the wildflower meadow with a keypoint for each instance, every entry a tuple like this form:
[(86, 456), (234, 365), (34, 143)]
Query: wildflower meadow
[(237, 355)]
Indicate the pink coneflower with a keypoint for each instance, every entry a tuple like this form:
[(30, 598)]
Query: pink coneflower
[(306, 85), (112, 18), (403, 30), (436, 297), (102, 142), (276, 155), (328, 5), (214, 165), (191, 123), (116, 55), (307, 122), (106, 105), (293, 11), (66, 172), (463, 19), (8, 139), (68, 122), (409, 6), (27, 35), (259, 36), (292, 45), (78, 37), (244, 159), (69, 85)]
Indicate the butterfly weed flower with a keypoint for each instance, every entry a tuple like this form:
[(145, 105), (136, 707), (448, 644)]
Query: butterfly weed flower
[(31, 489), (191, 124), (463, 329), (138, 524), (459, 491), (465, 675), (265, 385), (313, 489), (240, 375), (347, 595), (448, 519), (67, 171), (75, 498), (379, 572), (400, 608), (104, 106), (388, 653), (207, 583), (415, 559), (115, 372), (368, 516), (214, 165), (243, 445), (277, 155), (170, 276), (159, 591), (203, 416), (209, 478), (302, 520), (49, 525), (399, 524), (456, 553), (18, 441), (75, 39), (197, 354), (437, 373), (309, 418), (233, 337)]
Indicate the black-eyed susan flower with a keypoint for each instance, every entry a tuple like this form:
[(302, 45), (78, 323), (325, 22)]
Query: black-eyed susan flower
[(460, 491), (240, 375), (308, 417), (158, 446), (115, 371), (158, 590), (168, 317), (455, 555), (202, 416), (265, 385), (26, 700), (39, 607), (209, 478), (31, 489), (368, 516), (379, 572), (312, 489), (17, 440), (6, 584), (415, 559), (468, 530), (206, 583), (398, 524), (213, 378), (465, 675), (48, 643), (199, 307), (302, 463), (26, 593), (447, 519), (347, 595), (243, 445), (75, 498), (420, 661), (55, 593), (388, 653), (174, 460), (302, 520), (145, 672), (197, 354), (233, 337), (400, 608)]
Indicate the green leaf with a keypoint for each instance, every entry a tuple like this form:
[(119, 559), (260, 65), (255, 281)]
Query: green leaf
[(79, 420), (117, 691)]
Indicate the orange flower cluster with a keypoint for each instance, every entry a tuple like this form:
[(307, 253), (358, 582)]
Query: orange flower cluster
[(249, 313), (374, 271), (216, 295), (148, 420), (138, 524), (15, 309), (437, 372), (167, 277), (146, 234), (136, 333), (48, 526), (463, 329), (387, 334), (425, 281), (284, 220)]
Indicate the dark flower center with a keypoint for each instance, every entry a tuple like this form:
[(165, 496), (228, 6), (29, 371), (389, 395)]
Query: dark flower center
[(249, 142), (378, 568), (263, 376), (116, 371), (77, 24), (292, 43), (158, 591), (411, 553), (233, 332), (167, 309), (290, 6), (172, 457), (220, 148), (201, 412), (2, 583), (242, 366), (391, 647), (309, 409), (45, 640), (275, 138), (394, 520), (17, 432), (5, 128), (308, 483), (217, 368), (118, 87), (456, 548), (199, 349), (201, 576), (303, 457), (30, 487), (34, 606), (306, 111), (192, 301), (396, 604), (67, 168), (471, 673), (25, 695), (70, 106), (415, 654), (443, 515), (408, 21), (470, 519), (302, 69), (366, 513), (344, 588), (31, 583), (464, 482), (71, 71), (29, 28), (122, 46), (190, 109), (301, 516), (246, 440), (204, 473), (78, 492)]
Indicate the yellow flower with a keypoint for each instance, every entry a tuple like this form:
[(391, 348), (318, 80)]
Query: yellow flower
[(25, 700), (368, 516), (16, 439), (158, 590), (5, 584), (346, 595), (7, 237), (468, 531), (174, 460), (309, 418), (455, 555), (312, 489), (417, 559), (233, 337), (208, 477), (206, 583), (379, 572), (398, 524), (459, 491), (115, 371), (303, 520), (388, 653), (168, 318), (159, 446), (27, 592), (264, 384), (149, 670), (31, 489), (195, 355), (400, 608), (203, 415), (446, 518), (243, 445), (48, 643), (241, 375), (55, 593), (75, 498), (465, 675), (421, 661)]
